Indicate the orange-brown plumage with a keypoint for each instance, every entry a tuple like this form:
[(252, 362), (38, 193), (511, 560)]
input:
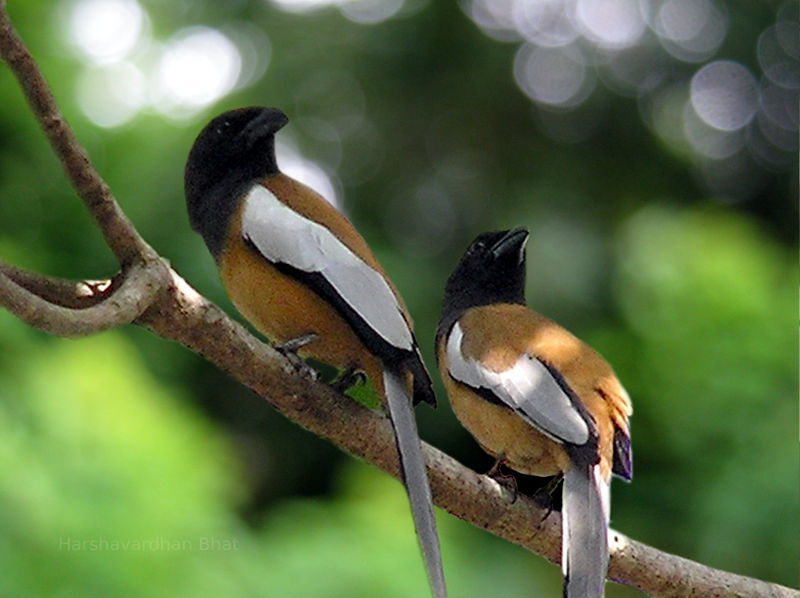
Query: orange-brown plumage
[(295, 267), (535, 397), (282, 307), (498, 335)]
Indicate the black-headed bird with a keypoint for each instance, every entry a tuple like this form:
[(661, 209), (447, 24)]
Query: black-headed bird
[(300, 273), (535, 397)]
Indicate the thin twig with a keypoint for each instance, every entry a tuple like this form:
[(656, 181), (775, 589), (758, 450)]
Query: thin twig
[(75, 294), (120, 235), (136, 290)]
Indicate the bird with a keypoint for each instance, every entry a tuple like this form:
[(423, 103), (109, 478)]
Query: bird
[(535, 397), (298, 270)]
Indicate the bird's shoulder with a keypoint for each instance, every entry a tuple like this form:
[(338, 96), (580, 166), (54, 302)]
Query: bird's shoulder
[(313, 206), (497, 335)]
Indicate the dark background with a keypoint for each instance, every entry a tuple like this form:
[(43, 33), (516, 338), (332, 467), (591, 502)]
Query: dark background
[(650, 147)]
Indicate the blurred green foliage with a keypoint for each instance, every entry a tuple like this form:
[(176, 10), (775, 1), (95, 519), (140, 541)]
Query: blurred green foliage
[(130, 467)]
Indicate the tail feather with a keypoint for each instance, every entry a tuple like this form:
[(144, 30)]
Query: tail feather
[(415, 478), (584, 544), (423, 387)]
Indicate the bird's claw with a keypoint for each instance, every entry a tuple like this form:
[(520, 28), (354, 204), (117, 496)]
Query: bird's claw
[(289, 350), (507, 481), (544, 497), (349, 378)]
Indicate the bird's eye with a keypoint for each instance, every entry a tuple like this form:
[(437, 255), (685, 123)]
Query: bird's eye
[(479, 246)]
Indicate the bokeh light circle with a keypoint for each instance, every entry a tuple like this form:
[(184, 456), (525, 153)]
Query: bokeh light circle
[(724, 94)]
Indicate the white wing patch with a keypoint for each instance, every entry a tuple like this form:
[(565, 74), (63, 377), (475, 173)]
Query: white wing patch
[(284, 236), (528, 388)]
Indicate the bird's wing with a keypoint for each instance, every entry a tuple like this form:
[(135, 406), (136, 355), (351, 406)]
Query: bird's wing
[(529, 387), (310, 252), (313, 253)]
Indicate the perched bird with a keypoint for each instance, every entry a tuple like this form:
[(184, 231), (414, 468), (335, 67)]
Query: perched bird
[(535, 397), (300, 273)]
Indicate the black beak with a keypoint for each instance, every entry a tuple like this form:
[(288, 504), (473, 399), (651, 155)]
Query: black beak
[(267, 122), (512, 240)]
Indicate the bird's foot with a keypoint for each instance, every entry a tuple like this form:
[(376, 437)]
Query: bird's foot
[(544, 496), (507, 481), (349, 378), (289, 350), (295, 344)]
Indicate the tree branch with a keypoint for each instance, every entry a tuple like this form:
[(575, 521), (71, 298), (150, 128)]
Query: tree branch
[(183, 315), (75, 294), (120, 235), (122, 299), (148, 291)]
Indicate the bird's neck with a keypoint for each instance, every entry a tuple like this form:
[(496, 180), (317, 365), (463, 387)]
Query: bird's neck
[(458, 300)]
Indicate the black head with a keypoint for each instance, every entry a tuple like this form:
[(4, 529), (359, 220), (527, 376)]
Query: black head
[(232, 151), (491, 271)]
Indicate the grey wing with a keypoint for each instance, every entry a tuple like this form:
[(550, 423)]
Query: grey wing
[(529, 388), (283, 236)]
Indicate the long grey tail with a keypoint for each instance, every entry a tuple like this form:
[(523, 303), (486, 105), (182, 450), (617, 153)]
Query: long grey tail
[(584, 544), (415, 478)]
